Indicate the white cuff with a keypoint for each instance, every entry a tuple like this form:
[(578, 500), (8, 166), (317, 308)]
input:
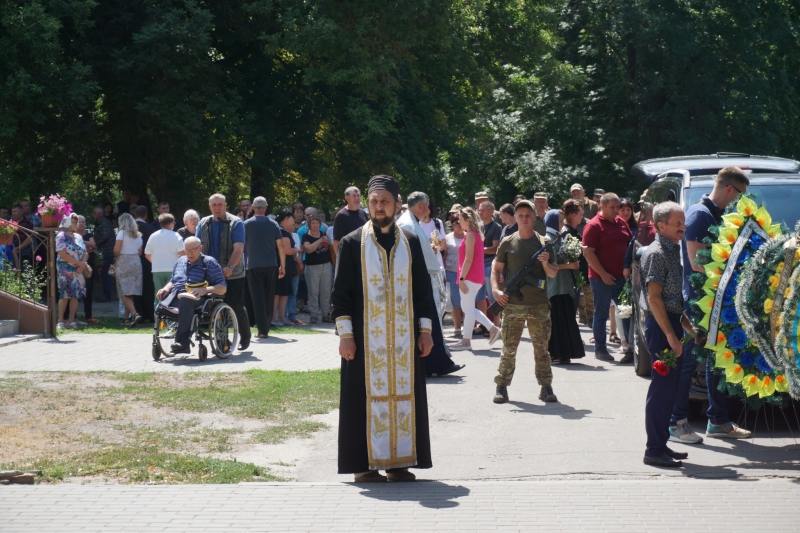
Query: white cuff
[(426, 325), (344, 325)]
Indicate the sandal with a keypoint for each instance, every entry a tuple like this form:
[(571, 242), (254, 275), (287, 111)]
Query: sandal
[(457, 332), (312, 320), (613, 338)]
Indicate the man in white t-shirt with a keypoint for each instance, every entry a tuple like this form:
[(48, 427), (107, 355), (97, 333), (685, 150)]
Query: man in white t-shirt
[(163, 249)]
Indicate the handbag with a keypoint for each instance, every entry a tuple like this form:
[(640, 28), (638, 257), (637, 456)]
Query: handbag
[(87, 272)]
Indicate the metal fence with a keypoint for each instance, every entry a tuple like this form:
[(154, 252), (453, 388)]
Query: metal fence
[(28, 269)]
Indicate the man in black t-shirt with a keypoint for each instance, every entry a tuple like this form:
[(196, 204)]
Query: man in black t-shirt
[(349, 218)]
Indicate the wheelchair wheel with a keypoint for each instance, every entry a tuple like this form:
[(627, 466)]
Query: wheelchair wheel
[(156, 353), (165, 336), (202, 352), (223, 331)]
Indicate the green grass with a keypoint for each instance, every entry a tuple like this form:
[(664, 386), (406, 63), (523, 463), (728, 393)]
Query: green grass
[(264, 394), (173, 450), (149, 464), (113, 325)]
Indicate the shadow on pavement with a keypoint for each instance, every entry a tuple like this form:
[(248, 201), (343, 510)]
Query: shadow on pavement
[(488, 353), (581, 367), (564, 411), (243, 357), (430, 494), (272, 340), (449, 379)]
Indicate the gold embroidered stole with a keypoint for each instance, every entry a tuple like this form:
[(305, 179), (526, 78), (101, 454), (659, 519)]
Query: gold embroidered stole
[(389, 351)]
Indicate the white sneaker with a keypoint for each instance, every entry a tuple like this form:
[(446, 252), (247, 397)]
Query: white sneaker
[(460, 345), (60, 325), (277, 323), (681, 432)]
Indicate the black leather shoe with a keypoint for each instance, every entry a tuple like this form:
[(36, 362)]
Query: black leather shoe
[(453, 368), (244, 344), (676, 455), (177, 347), (603, 355), (627, 359), (662, 460)]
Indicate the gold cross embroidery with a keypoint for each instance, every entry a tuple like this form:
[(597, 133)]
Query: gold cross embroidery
[(375, 280), (378, 384), (402, 330), (402, 382), (401, 279), (376, 331)]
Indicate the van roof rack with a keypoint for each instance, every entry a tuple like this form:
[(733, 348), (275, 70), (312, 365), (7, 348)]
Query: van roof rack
[(731, 154)]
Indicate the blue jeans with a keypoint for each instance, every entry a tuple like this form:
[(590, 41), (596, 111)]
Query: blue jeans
[(455, 294), (291, 301), (487, 287), (603, 294), (717, 406)]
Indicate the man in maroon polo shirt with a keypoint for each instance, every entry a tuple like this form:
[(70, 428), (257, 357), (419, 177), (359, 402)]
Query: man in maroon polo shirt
[(606, 239)]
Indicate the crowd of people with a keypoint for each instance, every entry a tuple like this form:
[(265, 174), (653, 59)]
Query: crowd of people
[(270, 267)]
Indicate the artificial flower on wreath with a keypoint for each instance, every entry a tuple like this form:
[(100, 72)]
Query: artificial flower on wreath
[(746, 229)]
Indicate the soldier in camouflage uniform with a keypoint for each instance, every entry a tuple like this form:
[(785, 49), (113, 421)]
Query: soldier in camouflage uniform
[(530, 305)]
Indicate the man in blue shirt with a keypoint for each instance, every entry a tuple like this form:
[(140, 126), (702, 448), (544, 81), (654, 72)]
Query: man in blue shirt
[(222, 236), (728, 185), (193, 268)]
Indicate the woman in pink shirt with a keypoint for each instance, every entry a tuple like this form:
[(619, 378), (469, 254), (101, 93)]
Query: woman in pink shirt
[(471, 278)]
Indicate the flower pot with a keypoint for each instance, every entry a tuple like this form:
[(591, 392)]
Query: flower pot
[(51, 221), (5, 240)]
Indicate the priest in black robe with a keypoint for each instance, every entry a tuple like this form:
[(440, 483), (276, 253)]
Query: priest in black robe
[(382, 286)]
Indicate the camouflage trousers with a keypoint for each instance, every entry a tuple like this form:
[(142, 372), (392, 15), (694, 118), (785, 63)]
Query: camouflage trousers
[(586, 305), (538, 319)]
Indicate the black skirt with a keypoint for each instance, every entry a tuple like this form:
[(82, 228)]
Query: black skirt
[(565, 337)]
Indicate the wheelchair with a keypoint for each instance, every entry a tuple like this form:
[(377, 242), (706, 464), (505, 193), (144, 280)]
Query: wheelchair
[(213, 321)]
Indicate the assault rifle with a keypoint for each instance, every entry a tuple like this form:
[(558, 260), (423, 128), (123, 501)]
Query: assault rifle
[(523, 276)]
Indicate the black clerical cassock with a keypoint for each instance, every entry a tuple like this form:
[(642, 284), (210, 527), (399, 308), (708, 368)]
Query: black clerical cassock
[(382, 286)]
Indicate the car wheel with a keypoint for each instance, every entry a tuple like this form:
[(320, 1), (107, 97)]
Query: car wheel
[(641, 355)]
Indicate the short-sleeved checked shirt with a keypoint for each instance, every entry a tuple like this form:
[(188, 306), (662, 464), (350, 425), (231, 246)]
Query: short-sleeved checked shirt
[(661, 263), (185, 272)]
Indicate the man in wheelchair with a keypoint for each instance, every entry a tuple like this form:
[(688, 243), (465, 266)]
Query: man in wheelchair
[(194, 277)]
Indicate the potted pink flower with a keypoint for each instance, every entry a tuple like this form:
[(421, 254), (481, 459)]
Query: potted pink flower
[(7, 230), (52, 209)]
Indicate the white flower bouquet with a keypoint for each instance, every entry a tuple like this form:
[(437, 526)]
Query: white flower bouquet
[(571, 249)]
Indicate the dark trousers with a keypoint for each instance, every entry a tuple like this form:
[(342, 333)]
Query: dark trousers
[(717, 406), (108, 281), (87, 301), (234, 297), (261, 282), (663, 389), (186, 308), (144, 303)]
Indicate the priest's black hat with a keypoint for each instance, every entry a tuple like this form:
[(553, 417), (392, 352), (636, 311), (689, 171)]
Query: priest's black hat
[(382, 182)]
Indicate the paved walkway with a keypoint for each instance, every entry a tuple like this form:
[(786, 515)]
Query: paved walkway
[(131, 353), (640, 506)]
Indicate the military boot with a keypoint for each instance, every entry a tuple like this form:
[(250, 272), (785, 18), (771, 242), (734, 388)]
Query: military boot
[(547, 394), (501, 394)]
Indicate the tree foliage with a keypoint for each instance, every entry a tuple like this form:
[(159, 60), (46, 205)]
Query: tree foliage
[(179, 98)]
